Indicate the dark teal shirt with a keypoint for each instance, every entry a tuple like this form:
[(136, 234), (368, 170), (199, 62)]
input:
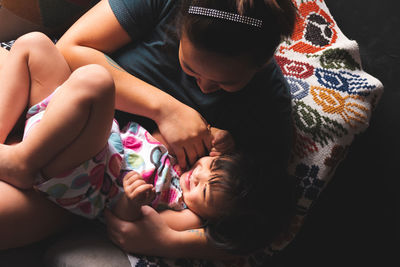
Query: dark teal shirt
[(258, 116)]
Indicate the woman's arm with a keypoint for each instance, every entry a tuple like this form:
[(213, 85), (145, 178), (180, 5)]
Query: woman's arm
[(151, 236), (85, 42)]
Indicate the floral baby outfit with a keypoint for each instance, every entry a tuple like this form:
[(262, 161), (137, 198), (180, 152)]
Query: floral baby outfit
[(97, 183)]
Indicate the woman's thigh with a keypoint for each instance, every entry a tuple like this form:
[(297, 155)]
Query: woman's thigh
[(26, 216), (3, 55)]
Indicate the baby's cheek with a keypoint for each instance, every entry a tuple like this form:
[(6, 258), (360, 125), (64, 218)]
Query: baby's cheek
[(189, 202)]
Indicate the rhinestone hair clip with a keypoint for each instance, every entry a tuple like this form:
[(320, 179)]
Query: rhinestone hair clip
[(209, 12)]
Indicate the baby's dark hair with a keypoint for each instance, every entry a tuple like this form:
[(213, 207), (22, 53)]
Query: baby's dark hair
[(260, 205), (234, 38)]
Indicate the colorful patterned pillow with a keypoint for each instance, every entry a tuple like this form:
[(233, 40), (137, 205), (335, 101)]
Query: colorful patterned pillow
[(332, 100)]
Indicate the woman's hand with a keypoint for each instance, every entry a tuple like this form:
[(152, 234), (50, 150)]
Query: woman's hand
[(186, 134), (149, 235), (222, 142)]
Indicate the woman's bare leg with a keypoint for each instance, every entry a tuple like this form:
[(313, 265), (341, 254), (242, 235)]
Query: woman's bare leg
[(26, 216), (33, 69), (74, 128), (3, 55)]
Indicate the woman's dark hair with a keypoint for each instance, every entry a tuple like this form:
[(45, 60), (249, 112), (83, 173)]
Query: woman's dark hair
[(260, 205), (235, 38)]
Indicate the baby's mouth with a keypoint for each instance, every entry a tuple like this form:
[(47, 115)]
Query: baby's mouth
[(188, 179)]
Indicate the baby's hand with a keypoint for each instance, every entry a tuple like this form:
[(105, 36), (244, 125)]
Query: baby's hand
[(137, 190), (222, 142)]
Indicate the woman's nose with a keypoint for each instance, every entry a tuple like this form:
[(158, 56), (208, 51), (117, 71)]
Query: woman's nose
[(207, 86)]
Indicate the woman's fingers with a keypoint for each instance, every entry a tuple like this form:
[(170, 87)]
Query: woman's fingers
[(207, 141), (114, 224), (180, 156), (191, 155)]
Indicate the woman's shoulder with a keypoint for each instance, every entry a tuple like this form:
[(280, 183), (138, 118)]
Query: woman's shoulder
[(140, 16), (153, 7)]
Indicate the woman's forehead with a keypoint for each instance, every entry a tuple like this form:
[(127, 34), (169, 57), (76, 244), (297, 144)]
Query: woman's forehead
[(211, 65)]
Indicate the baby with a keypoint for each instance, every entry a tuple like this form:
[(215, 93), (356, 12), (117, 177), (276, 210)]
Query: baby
[(69, 153)]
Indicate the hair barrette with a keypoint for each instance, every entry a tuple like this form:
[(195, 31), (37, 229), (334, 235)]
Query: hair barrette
[(209, 12)]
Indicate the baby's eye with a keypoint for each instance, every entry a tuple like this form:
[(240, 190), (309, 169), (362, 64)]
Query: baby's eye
[(212, 163)]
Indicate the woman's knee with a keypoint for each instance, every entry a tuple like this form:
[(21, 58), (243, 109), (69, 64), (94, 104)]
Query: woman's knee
[(94, 80)]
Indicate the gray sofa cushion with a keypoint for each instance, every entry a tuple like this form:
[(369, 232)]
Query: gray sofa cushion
[(85, 247)]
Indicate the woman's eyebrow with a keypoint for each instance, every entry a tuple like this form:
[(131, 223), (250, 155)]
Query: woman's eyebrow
[(191, 70), (188, 67)]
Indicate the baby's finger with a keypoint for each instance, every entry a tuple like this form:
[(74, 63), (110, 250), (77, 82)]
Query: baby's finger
[(132, 176), (144, 192), (130, 186)]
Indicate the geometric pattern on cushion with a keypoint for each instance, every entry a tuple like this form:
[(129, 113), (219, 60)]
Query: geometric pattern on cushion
[(332, 100)]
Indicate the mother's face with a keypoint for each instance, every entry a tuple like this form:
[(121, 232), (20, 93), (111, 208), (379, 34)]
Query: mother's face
[(214, 71)]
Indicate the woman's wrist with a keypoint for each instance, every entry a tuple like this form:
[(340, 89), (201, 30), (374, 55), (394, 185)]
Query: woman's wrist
[(162, 109)]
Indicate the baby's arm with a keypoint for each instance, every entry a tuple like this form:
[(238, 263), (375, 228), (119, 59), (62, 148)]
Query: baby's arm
[(181, 220), (137, 193)]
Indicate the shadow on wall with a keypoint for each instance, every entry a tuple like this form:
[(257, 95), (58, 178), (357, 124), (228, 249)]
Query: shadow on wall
[(50, 16)]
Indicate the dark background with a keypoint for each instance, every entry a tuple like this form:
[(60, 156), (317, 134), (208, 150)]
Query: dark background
[(356, 219)]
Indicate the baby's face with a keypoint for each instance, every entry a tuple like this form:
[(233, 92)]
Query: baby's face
[(198, 195)]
